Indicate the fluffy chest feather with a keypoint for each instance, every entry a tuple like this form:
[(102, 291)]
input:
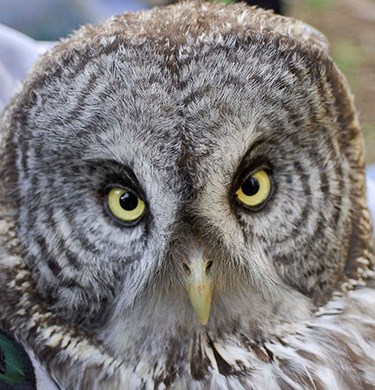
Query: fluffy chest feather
[(334, 349)]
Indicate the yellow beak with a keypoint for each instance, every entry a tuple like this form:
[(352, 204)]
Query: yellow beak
[(199, 288)]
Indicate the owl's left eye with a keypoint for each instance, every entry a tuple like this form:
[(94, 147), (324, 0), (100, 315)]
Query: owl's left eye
[(124, 205), (255, 190)]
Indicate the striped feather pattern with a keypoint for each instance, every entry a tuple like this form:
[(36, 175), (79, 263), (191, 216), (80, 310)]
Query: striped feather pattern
[(180, 112)]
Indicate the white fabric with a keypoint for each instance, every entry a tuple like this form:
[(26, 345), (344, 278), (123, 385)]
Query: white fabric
[(17, 53), (43, 381), (370, 174)]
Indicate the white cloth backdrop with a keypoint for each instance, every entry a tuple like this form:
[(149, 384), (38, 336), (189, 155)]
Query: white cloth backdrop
[(18, 52)]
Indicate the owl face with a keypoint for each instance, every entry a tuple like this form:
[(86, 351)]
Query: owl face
[(163, 184)]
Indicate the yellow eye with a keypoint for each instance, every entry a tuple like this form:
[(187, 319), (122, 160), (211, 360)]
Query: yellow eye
[(255, 189), (125, 205)]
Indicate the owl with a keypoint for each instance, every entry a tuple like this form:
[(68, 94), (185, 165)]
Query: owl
[(182, 205)]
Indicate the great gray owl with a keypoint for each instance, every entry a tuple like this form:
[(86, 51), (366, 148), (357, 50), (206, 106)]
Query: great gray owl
[(182, 205)]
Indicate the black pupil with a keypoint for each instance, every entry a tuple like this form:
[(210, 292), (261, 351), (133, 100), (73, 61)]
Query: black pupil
[(128, 201), (250, 186)]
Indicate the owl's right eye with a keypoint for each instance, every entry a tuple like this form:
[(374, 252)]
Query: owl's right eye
[(125, 206)]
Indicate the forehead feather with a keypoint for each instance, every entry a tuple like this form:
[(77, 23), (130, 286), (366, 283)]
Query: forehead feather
[(174, 31)]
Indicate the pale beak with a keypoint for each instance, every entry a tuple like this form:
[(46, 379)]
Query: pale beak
[(199, 287)]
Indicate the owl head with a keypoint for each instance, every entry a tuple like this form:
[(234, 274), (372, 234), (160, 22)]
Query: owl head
[(190, 168)]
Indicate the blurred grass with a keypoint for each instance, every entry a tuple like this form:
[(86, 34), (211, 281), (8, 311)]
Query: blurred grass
[(350, 30), (369, 134), (319, 4), (348, 58)]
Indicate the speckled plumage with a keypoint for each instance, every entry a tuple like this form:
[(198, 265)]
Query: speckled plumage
[(179, 102)]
